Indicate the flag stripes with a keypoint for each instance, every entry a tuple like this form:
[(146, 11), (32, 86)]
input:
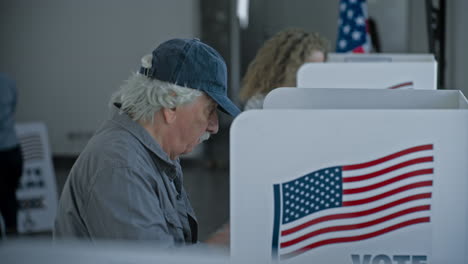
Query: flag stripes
[(405, 85)]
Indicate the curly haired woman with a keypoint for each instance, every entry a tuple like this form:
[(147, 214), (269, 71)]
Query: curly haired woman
[(277, 62)]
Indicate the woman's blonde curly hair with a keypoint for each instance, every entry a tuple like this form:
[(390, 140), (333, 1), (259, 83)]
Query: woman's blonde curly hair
[(278, 60)]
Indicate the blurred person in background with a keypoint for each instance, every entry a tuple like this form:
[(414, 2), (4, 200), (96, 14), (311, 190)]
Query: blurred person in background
[(11, 161), (277, 62), (127, 184)]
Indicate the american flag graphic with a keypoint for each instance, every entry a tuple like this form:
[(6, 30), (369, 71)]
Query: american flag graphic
[(352, 202), (353, 32)]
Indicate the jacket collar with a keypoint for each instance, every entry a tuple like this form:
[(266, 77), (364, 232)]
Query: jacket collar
[(123, 120)]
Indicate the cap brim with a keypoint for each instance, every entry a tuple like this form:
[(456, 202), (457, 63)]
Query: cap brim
[(225, 104)]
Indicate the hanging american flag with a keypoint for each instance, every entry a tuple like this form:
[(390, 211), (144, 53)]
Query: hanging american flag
[(353, 31), (353, 202)]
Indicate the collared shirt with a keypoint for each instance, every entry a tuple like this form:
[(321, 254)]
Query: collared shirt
[(123, 186), (8, 137)]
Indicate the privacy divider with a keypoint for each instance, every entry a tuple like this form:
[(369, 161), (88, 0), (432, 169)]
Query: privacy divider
[(380, 182)]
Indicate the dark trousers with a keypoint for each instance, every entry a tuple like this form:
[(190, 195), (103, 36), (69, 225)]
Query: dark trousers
[(11, 168)]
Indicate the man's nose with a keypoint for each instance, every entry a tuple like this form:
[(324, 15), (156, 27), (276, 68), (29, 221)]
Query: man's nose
[(213, 124)]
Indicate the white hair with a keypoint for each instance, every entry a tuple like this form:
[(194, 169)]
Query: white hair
[(140, 97)]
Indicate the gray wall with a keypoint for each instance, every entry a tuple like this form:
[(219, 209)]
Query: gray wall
[(457, 45), (401, 25), (69, 56)]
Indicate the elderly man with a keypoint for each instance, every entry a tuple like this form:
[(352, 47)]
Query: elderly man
[(127, 182)]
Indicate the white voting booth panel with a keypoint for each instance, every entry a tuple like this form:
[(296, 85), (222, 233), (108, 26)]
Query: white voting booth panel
[(328, 186), (342, 98), (37, 192), (379, 57), (397, 75)]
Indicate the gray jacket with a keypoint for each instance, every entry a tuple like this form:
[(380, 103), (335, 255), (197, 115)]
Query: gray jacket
[(124, 186)]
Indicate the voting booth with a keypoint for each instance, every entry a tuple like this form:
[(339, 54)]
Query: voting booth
[(37, 191), (395, 75), (329, 176), (379, 57)]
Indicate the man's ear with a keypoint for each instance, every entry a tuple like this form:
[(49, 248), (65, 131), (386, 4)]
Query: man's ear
[(169, 115)]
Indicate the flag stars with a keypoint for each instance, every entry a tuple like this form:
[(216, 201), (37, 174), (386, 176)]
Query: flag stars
[(356, 35), (342, 7), (342, 43), (311, 193), (350, 14), (360, 21), (346, 29)]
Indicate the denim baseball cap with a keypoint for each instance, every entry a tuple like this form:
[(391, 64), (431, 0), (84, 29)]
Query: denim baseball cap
[(193, 64)]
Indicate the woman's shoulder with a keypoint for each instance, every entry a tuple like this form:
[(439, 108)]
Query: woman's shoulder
[(255, 102)]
